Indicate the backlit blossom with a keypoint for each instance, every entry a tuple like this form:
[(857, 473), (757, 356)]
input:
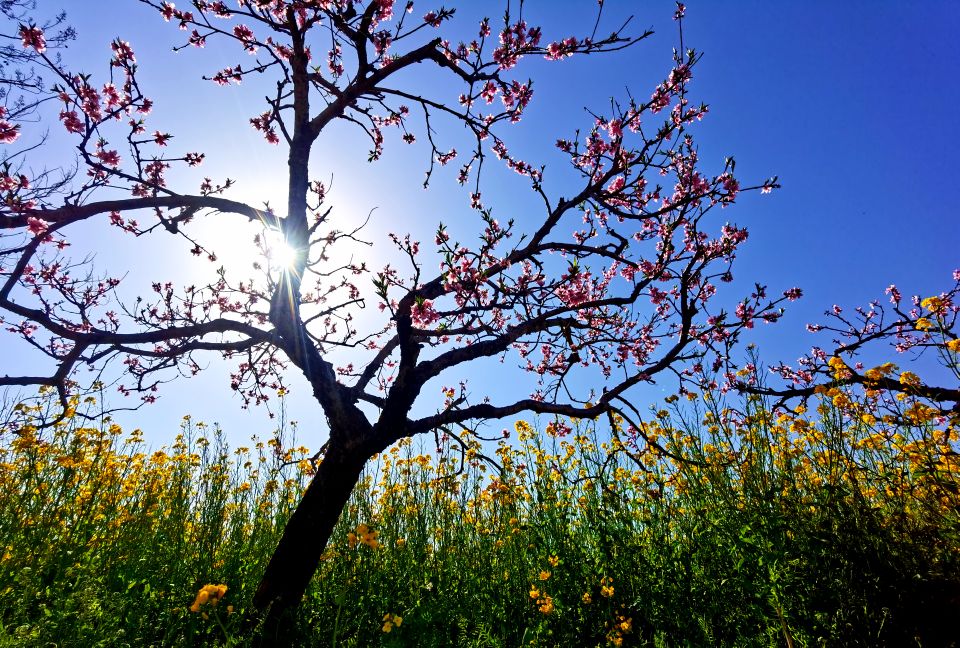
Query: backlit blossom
[(122, 53), (37, 226), (32, 36), (9, 132)]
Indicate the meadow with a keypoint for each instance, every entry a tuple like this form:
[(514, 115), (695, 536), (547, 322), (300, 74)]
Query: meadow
[(721, 522)]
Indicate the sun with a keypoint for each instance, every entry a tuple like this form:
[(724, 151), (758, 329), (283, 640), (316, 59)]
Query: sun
[(280, 255)]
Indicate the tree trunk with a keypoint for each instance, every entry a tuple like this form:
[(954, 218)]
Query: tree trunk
[(307, 532)]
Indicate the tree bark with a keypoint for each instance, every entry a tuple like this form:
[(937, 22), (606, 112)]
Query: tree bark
[(307, 532)]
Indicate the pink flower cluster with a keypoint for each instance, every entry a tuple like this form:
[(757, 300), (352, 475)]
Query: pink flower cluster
[(32, 37), (9, 132), (515, 41), (264, 124)]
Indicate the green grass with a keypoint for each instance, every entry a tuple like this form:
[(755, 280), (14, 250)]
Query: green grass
[(807, 529)]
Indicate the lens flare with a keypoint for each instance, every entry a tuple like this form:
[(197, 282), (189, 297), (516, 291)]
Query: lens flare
[(280, 254)]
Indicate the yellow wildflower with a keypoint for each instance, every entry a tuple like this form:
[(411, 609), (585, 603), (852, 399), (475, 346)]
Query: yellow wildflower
[(840, 369), (524, 430), (933, 304), (841, 401), (391, 621), (208, 595), (546, 604), (954, 345), (606, 587), (923, 324), (909, 379), (587, 599), (880, 371), (544, 575)]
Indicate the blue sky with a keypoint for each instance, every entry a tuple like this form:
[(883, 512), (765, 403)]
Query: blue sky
[(851, 104)]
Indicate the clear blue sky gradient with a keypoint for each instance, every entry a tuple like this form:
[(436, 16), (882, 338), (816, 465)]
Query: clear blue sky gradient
[(853, 105)]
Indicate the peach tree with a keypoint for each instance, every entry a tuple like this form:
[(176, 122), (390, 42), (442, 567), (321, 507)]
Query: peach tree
[(597, 292)]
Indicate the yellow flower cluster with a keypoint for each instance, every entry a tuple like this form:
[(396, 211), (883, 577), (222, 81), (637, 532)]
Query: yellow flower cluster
[(623, 626), (879, 372), (909, 379), (364, 535), (542, 600), (924, 324), (525, 431), (934, 305), (209, 595), (428, 507), (94, 493), (391, 621), (840, 369), (606, 587)]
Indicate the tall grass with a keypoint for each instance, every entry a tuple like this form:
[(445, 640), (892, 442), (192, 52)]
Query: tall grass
[(715, 524)]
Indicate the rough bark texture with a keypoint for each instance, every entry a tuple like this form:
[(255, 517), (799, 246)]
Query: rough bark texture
[(305, 536)]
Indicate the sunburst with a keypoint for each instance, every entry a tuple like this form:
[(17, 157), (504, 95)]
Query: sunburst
[(279, 253)]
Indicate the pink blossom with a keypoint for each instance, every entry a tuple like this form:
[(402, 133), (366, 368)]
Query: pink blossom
[(8, 182), (32, 36), (444, 158), (167, 10), (617, 184), (381, 42), (615, 129), (122, 53), (226, 75), (37, 226), (8, 132), (489, 92), (559, 50), (384, 10), (245, 34), (894, 294), (71, 121), (423, 313), (793, 294), (263, 124), (108, 158), (112, 95)]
